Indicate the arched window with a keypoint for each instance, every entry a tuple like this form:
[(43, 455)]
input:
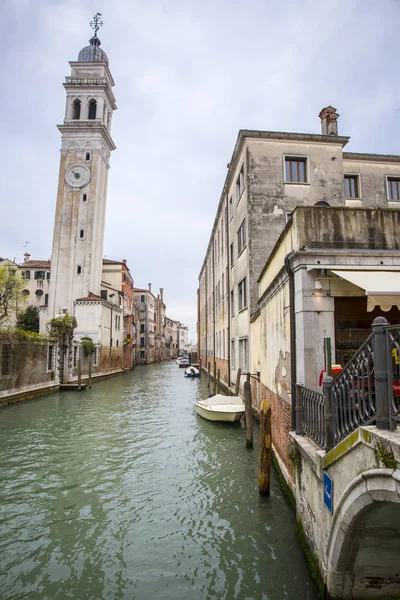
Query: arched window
[(84, 198), (87, 156), (79, 270), (92, 109), (76, 109), (322, 203), (82, 234)]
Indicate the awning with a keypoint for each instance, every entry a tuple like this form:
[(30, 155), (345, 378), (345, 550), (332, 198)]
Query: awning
[(381, 287)]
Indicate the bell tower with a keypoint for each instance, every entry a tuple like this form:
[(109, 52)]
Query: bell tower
[(86, 145)]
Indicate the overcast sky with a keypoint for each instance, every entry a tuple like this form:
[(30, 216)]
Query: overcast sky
[(189, 74)]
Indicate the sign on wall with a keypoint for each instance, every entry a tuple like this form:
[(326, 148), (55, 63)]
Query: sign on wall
[(328, 492)]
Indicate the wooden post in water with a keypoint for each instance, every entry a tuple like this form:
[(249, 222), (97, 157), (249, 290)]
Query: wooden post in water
[(208, 374), (218, 381), (90, 371), (237, 386), (79, 375), (248, 414), (264, 473)]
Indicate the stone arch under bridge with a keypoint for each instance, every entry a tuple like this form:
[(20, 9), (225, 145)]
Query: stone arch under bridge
[(363, 550)]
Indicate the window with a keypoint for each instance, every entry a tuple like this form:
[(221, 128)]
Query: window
[(393, 188), (143, 298), (243, 355), (230, 208), (103, 294), (39, 274), (87, 156), (232, 303), (82, 234), (231, 249), (92, 109), (142, 342), (141, 354), (351, 186), (96, 356), (46, 299), (26, 292), (295, 169), (241, 237), (240, 184), (76, 109), (79, 270), (242, 293), (75, 356), (84, 197), (233, 360), (50, 357), (39, 293), (117, 343), (48, 275), (27, 275), (142, 328)]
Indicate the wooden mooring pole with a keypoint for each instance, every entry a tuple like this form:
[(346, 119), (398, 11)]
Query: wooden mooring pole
[(79, 375), (264, 474), (90, 372), (248, 414), (218, 381), (237, 386), (208, 374)]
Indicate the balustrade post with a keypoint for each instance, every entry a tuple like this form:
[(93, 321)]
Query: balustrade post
[(299, 414), (384, 419), (328, 413)]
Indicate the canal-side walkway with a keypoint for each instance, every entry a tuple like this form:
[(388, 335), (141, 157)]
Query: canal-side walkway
[(123, 492)]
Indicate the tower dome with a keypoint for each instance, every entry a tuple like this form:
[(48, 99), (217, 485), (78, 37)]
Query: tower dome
[(93, 53)]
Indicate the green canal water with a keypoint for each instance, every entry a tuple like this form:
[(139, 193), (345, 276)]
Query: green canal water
[(123, 492)]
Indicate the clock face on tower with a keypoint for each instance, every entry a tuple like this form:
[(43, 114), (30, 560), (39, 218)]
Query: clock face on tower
[(77, 176)]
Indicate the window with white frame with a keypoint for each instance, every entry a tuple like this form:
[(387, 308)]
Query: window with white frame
[(295, 169), (352, 186), (240, 184), (393, 185), (232, 303), (231, 248), (242, 294), (241, 237), (233, 359), (243, 355)]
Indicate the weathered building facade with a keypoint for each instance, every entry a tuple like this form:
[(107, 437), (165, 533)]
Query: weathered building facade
[(269, 175)]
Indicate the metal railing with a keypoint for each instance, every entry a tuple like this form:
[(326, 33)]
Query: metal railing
[(365, 392)]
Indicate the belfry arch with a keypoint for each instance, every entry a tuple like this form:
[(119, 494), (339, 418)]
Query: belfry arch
[(363, 548)]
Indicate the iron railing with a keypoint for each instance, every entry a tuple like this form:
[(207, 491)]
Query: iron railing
[(365, 392)]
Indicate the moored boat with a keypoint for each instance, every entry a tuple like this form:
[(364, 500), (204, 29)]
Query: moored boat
[(192, 372), (220, 408)]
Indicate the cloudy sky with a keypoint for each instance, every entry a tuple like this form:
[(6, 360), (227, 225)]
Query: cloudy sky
[(189, 74)]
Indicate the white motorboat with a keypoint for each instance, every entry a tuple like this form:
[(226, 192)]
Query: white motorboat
[(221, 408), (191, 372)]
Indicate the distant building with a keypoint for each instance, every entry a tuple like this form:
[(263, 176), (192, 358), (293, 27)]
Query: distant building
[(37, 281), (146, 306)]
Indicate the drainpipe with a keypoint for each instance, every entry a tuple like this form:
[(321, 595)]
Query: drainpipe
[(292, 317)]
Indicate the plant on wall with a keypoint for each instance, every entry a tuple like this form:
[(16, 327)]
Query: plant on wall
[(61, 328), (88, 346)]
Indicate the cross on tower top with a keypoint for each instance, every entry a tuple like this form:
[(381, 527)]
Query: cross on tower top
[(96, 23)]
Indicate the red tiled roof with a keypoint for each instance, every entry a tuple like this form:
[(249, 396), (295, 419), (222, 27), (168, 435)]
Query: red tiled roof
[(108, 261), (35, 264), (91, 298)]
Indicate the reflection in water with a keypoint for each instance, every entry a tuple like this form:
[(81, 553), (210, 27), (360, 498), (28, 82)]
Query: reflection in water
[(123, 492)]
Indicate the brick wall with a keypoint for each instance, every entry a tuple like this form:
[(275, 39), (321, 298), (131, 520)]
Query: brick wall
[(281, 424)]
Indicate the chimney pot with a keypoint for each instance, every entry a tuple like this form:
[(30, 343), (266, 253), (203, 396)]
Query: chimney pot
[(149, 287), (329, 118), (26, 257)]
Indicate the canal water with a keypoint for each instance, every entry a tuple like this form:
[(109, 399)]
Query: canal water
[(123, 492)]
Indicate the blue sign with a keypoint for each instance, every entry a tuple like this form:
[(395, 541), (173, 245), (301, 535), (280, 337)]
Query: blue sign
[(328, 492)]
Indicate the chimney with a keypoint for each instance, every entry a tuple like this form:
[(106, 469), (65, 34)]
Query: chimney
[(149, 287), (162, 294), (329, 117), (124, 261), (26, 257)]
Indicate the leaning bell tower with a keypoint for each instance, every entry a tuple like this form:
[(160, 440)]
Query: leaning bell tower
[(86, 145)]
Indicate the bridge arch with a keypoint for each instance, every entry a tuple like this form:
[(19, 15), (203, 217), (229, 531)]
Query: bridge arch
[(363, 550)]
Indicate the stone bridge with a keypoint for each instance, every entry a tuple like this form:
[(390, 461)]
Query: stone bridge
[(352, 529), (347, 455)]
